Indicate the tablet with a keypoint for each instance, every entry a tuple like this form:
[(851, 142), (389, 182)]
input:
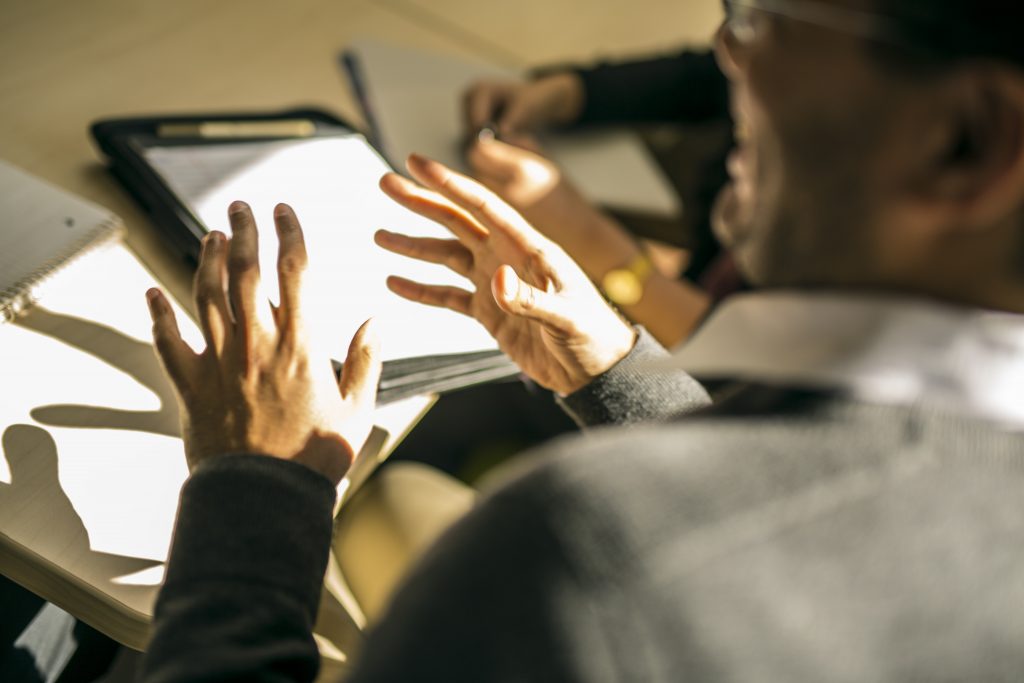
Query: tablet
[(185, 171), (127, 144)]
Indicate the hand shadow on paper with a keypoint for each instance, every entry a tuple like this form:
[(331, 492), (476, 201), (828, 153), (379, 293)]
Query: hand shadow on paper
[(35, 493), (134, 358)]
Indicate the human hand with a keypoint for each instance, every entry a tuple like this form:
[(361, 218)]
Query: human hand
[(533, 299), (520, 106), (256, 388), (533, 185)]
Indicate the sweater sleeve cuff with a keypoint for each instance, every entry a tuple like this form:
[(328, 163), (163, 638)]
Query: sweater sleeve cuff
[(254, 519), (630, 392)]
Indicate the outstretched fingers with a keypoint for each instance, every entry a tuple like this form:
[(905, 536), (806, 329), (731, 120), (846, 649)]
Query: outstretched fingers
[(489, 210), (292, 261), (215, 318), (243, 267), (360, 373), (434, 207), (450, 253), (442, 296), (174, 353)]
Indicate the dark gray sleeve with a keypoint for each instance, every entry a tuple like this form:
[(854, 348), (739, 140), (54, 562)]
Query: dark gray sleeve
[(244, 575), (631, 393)]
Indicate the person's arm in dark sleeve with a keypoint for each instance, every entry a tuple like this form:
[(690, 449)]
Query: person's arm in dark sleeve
[(244, 576), (631, 392), (686, 87)]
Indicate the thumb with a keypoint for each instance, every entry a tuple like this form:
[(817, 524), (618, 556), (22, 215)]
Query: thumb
[(520, 114), (524, 300), (360, 373)]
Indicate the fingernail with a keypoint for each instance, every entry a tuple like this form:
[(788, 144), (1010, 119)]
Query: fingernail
[(282, 210), (237, 206), (153, 297)]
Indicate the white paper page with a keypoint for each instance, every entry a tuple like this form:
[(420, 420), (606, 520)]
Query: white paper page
[(416, 101), (92, 463), (332, 185)]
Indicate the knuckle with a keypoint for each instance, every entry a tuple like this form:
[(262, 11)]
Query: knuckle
[(243, 261), (292, 263), (205, 294)]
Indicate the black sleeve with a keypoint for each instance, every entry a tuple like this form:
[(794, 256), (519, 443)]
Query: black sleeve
[(244, 576), (631, 391), (686, 87)]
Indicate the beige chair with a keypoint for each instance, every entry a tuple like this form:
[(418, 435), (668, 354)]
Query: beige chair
[(379, 535), (388, 525)]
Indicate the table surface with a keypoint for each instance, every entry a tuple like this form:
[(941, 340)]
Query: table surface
[(69, 63)]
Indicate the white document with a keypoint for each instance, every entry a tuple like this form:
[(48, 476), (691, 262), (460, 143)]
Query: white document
[(331, 182), (414, 99)]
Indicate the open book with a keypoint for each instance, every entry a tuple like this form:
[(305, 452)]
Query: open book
[(92, 460), (412, 100)]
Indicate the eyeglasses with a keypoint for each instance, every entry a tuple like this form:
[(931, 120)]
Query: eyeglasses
[(931, 35), (744, 20)]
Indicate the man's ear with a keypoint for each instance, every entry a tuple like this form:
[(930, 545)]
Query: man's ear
[(978, 177)]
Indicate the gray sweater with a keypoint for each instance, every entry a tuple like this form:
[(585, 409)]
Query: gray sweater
[(781, 535)]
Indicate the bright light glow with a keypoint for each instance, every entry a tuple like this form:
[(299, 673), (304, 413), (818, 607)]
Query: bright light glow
[(153, 576), (91, 461)]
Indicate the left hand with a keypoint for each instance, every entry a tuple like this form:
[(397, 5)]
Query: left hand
[(256, 388), (533, 299), (521, 175)]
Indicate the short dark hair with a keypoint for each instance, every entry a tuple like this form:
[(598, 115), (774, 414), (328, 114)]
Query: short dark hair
[(957, 29)]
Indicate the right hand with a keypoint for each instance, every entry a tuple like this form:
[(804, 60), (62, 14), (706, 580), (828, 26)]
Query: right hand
[(523, 106), (534, 300), (540, 192)]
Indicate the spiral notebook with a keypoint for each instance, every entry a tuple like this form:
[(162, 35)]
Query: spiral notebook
[(43, 229)]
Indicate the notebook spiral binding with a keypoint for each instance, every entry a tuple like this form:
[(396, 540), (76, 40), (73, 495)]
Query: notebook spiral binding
[(22, 295)]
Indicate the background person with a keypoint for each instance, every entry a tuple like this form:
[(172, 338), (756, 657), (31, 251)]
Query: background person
[(686, 88)]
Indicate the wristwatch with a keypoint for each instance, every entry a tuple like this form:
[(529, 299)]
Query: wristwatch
[(625, 286)]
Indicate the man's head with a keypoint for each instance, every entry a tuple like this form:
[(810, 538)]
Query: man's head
[(881, 145)]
